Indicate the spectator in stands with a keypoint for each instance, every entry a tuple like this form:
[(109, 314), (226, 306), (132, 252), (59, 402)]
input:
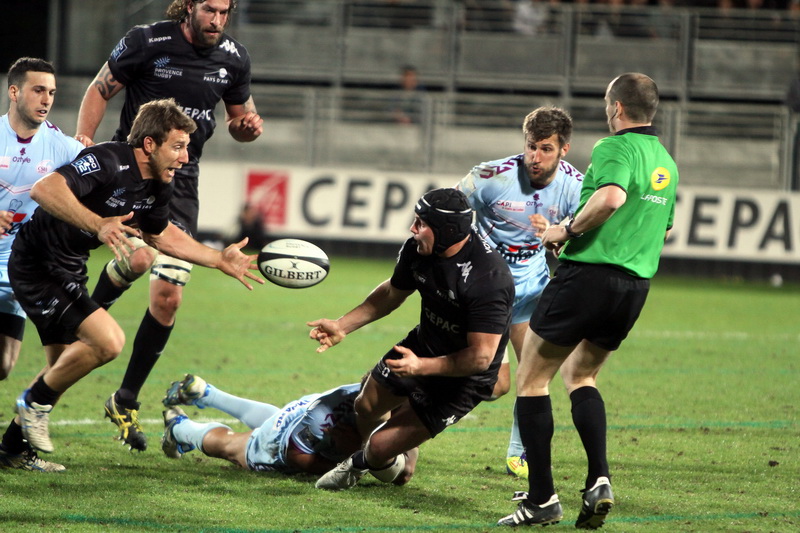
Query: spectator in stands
[(407, 105), (251, 225), (533, 17)]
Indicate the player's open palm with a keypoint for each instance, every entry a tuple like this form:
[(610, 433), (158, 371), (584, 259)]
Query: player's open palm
[(113, 232), (238, 265)]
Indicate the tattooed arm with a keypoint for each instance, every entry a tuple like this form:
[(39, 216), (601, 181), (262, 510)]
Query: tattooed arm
[(93, 107)]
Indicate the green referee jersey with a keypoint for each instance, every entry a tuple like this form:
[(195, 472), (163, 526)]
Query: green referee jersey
[(633, 237)]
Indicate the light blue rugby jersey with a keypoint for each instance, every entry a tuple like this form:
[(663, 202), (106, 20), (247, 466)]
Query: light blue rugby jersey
[(303, 423), (501, 194), (22, 163)]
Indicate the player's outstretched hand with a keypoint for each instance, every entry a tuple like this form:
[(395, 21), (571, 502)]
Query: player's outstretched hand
[(408, 365), (238, 265), (6, 218), (327, 332), (113, 232)]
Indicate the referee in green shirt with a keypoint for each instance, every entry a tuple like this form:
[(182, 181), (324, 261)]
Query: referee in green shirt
[(609, 252)]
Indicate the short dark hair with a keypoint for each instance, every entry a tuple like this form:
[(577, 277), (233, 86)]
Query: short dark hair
[(156, 119), (543, 122), (178, 10), (637, 93), (20, 68)]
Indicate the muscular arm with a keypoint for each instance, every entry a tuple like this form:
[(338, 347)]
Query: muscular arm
[(54, 196), (244, 123), (601, 205), (230, 261), (384, 299), (176, 243), (95, 100)]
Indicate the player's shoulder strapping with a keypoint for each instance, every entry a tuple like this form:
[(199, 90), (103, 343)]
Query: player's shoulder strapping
[(498, 167)]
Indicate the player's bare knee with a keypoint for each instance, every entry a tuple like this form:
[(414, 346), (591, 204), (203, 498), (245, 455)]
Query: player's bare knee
[(165, 306), (110, 347)]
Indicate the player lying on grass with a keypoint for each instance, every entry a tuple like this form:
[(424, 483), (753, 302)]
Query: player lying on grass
[(311, 434)]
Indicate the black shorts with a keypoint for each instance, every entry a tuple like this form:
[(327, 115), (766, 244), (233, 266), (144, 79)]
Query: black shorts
[(56, 306), (12, 326), (438, 401), (598, 303), (184, 206)]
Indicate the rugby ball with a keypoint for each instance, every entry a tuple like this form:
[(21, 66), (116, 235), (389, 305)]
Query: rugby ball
[(293, 263)]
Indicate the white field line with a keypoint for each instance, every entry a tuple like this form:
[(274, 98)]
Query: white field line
[(714, 335), (154, 422)]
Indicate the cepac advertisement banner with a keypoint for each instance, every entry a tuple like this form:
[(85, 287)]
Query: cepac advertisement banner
[(378, 206)]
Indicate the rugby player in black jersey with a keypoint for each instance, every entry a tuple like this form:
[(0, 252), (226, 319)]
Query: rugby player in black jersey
[(190, 58), (448, 363), (111, 192)]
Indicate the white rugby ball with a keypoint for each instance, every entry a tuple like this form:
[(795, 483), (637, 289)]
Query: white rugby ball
[(293, 263)]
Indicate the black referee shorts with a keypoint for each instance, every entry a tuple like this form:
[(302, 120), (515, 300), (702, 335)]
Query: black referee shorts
[(599, 303)]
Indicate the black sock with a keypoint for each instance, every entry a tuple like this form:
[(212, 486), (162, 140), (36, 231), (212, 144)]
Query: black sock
[(42, 394), (105, 292), (150, 341), (13, 442), (535, 420), (589, 417), (360, 461)]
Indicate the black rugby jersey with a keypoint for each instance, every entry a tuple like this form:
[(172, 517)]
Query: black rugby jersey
[(106, 179), (473, 291), (155, 61)]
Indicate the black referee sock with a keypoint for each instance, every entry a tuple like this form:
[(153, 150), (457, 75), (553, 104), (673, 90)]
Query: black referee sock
[(13, 442), (589, 417), (42, 394), (150, 341), (105, 292), (535, 419)]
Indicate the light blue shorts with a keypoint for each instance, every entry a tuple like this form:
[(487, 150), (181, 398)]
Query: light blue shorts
[(526, 297), (8, 302)]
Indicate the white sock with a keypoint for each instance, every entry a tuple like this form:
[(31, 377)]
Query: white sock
[(192, 433), (515, 447)]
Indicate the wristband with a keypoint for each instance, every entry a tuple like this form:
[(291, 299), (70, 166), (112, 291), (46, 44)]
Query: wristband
[(568, 228)]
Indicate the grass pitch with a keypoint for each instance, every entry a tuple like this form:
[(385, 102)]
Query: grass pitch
[(702, 402)]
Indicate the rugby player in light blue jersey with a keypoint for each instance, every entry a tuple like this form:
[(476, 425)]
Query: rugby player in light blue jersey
[(311, 434), (30, 147), (515, 199)]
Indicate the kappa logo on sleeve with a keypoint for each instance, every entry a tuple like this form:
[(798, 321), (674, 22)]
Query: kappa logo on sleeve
[(86, 164)]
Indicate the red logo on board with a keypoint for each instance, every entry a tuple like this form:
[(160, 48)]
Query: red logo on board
[(268, 190)]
